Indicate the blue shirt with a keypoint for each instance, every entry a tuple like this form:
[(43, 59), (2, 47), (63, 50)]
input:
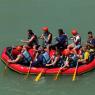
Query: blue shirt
[(62, 39), (93, 42)]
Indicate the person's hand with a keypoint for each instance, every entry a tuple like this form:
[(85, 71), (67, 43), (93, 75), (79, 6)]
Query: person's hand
[(42, 37), (13, 46), (47, 64), (22, 40), (9, 61), (31, 62), (70, 38)]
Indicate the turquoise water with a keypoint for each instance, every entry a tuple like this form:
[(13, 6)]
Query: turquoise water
[(16, 16)]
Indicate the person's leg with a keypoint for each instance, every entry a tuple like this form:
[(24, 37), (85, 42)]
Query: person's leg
[(77, 47)]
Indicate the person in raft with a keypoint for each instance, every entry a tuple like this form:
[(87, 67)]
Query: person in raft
[(56, 60), (32, 39), (42, 57), (46, 36), (12, 52), (76, 40), (84, 56), (61, 40), (71, 58), (91, 40), (23, 57), (91, 44)]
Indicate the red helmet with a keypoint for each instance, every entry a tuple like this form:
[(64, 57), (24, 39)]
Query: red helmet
[(74, 32), (18, 48), (66, 52), (45, 28)]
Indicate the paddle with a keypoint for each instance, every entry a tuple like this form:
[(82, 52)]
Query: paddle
[(6, 66), (75, 72), (62, 66), (39, 76), (26, 76)]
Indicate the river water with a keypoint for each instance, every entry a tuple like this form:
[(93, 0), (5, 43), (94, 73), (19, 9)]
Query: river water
[(17, 16)]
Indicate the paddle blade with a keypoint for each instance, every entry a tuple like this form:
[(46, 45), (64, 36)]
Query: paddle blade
[(74, 76), (66, 62), (38, 76), (26, 76), (6, 66), (5, 69), (56, 77), (75, 72)]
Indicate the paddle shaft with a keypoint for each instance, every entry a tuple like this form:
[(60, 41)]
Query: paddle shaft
[(62, 66), (75, 72), (28, 72), (6, 66)]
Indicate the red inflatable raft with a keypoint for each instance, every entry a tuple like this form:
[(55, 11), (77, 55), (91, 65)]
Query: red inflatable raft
[(24, 69)]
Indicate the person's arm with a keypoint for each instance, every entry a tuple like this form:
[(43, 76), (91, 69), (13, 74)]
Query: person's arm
[(71, 38), (35, 59), (28, 41), (42, 36), (54, 62), (91, 45), (49, 37), (15, 60), (32, 38), (66, 62)]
